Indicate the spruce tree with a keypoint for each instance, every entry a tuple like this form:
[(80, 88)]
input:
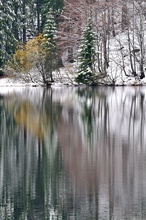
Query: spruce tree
[(55, 5), (49, 32), (7, 38), (86, 71)]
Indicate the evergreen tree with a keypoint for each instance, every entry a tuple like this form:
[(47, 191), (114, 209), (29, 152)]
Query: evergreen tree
[(24, 25), (7, 38), (86, 71), (55, 5), (16, 20), (28, 27), (49, 32), (50, 27)]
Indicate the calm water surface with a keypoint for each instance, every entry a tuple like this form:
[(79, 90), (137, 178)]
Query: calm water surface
[(73, 153)]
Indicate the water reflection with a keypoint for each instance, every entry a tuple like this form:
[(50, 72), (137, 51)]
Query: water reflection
[(73, 153)]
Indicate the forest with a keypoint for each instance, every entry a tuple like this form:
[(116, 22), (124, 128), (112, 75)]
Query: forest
[(103, 40)]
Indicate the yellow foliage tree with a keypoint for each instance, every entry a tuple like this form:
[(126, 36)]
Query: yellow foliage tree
[(32, 54)]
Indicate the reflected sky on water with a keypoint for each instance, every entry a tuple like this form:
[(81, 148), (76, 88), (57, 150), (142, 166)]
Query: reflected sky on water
[(73, 153)]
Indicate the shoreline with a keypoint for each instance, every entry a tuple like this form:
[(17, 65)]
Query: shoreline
[(8, 81)]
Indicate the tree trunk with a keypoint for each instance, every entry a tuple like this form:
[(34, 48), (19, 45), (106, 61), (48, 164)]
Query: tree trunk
[(70, 55), (125, 20), (24, 21), (38, 15), (15, 23), (130, 56)]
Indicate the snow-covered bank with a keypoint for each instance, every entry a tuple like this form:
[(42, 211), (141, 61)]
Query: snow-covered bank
[(9, 82), (127, 81), (66, 76), (67, 79)]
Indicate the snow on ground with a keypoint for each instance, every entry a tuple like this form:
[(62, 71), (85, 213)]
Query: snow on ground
[(67, 75), (9, 82), (64, 76), (119, 60)]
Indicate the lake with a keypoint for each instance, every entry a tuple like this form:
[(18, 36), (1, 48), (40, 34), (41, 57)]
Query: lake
[(73, 153)]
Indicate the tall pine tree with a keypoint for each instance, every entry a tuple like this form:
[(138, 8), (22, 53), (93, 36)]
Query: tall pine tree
[(55, 5), (49, 32), (7, 37), (86, 71)]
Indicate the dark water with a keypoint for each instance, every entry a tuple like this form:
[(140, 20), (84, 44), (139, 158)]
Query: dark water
[(73, 153)]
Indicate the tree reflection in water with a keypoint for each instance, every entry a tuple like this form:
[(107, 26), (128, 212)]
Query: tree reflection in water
[(73, 153)]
